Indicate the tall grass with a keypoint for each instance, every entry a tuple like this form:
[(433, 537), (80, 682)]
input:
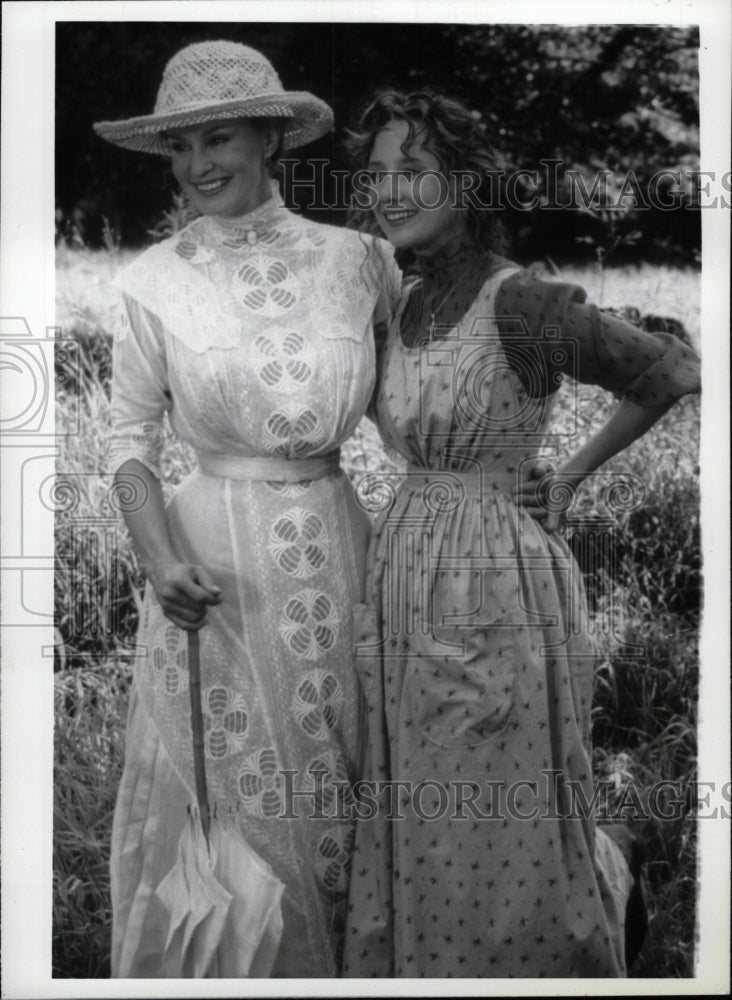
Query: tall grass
[(645, 708), (90, 709)]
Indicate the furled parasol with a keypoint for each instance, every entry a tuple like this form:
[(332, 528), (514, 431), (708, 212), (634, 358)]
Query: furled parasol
[(223, 899)]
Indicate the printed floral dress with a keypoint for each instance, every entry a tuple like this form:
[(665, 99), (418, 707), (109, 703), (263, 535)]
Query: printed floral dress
[(481, 860), (256, 336)]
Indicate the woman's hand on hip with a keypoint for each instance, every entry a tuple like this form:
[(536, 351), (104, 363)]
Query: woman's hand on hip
[(184, 592), (546, 494)]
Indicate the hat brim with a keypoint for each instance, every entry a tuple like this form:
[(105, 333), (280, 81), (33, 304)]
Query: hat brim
[(307, 118)]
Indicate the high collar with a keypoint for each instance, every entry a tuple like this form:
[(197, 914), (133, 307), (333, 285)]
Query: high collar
[(264, 218), (453, 257)]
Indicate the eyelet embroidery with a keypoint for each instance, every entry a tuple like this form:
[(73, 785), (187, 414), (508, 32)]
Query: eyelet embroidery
[(309, 624), (299, 543), (266, 285), (227, 722), (285, 359), (317, 704)]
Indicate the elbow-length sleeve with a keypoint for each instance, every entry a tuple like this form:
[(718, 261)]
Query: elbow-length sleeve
[(140, 394), (651, 369)]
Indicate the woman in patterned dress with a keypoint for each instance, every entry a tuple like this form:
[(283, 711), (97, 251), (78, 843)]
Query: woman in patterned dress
[(478, 859), (252, 328)]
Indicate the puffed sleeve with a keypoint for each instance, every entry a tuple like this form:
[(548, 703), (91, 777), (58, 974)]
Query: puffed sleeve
[(140, 394), (651, 369)]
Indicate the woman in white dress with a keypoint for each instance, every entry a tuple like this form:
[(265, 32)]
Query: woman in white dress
[(253, 329)]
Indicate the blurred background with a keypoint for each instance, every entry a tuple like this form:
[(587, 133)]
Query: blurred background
[(616, 97)]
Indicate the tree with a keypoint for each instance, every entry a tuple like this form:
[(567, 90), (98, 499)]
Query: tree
[(616, 97)]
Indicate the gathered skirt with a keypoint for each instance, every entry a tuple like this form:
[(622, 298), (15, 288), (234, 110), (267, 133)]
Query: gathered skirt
[(283, 720), (479, 855)]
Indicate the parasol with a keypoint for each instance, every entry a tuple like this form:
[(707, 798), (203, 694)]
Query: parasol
[(223, 899)]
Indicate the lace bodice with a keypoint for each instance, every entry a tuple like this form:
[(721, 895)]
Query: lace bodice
[(255, 334)]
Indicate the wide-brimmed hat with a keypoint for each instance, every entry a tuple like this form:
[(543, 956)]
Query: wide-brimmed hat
[(212, 81)]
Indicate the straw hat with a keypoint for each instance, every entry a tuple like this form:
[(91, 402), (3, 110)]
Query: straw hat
[(210, 81)]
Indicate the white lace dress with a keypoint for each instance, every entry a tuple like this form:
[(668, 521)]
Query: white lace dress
[(256, 336)]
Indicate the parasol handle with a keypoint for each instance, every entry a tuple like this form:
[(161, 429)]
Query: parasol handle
[(199, 765)]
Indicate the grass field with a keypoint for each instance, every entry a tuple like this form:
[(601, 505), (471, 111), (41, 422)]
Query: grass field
[(645, 711)]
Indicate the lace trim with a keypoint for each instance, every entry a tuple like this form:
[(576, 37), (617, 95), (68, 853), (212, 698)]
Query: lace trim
[(266, 218), (209, 282)]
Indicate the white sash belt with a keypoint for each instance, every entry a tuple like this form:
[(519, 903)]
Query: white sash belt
[(281, 470)]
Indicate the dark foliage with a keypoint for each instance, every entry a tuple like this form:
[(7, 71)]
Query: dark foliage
[(621, 97)]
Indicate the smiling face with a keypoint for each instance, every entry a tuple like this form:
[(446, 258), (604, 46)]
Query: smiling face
[(221, 166), (414, 206)]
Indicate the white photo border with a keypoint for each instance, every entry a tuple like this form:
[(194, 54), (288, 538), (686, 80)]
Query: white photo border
[(27, 293)]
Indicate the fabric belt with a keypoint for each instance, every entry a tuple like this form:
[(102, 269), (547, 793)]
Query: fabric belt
[(280, 470)]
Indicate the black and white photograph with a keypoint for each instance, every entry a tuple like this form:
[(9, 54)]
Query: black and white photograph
[(365, 499)]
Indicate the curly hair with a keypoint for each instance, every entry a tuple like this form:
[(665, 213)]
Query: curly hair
[(452, 132)]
